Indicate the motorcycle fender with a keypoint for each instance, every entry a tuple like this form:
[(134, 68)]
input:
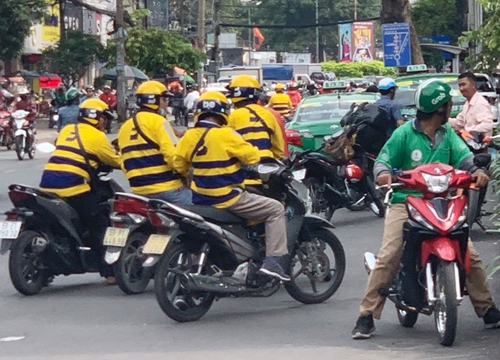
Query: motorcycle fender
[(112, 254), (443, 247), (20, 132), (5, 247), (312, 221)]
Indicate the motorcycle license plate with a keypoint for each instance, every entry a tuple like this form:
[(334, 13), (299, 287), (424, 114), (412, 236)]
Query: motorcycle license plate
[(115, 237), (299, 175), (156, 244), (10, 229)]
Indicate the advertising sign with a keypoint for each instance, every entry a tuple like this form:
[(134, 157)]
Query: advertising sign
[(362, 41), (73, 17), (396, 39), (345, 38), (107, 5), (50, 25)]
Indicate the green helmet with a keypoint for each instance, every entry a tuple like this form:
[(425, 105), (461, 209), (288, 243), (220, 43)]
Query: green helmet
[(431, 95), (72, 93)]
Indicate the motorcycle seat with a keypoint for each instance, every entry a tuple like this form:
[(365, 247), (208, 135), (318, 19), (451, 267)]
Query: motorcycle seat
[(220, 216), (35, 191)]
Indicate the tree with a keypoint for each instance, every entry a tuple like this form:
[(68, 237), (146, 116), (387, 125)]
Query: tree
[(488, 36), (433, 18), (71, 57), (17, 18), (398, 11), (157, 51)]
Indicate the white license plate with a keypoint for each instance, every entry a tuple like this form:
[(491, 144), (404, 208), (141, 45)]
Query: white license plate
[(10, 229), (156, 244), (115, 237), (299, 175)]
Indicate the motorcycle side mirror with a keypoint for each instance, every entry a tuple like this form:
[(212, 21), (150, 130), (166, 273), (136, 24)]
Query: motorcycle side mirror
[(482, 160), (45, 147)]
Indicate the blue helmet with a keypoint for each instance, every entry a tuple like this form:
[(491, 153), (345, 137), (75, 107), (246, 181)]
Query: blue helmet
[(386, 84)]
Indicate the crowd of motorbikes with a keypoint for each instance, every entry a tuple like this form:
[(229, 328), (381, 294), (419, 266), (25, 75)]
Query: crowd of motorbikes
[(198, 254)]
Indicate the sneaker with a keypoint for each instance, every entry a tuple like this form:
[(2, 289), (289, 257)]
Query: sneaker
[(492, 318), (274, 269), (364, 327)]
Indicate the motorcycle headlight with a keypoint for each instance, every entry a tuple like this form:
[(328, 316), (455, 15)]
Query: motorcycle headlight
[(415, 215), (437, 184)]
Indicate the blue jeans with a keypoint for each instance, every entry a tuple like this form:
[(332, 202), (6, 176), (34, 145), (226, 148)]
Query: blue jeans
[(180, 196)]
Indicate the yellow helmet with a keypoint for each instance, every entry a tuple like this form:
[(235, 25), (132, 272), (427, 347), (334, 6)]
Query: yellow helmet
[(243, 87), (91, 111), (280, 86), (148, 94), (213, 103)]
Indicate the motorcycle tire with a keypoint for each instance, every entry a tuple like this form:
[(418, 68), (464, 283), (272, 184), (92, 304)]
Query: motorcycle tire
[(18, 141), (473, 206), (328, 238), (407, 318), (377, 205), (165, 280), (131, 277), (22, 257), (446, 310)]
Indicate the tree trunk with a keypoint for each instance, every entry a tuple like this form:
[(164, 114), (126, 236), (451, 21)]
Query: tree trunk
[(398, 11)]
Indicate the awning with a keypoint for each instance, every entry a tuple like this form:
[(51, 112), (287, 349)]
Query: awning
[(49, 81)]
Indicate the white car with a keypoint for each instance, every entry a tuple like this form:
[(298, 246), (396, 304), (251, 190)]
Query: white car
[(487, 90)]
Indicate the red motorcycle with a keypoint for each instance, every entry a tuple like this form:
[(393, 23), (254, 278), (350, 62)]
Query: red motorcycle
[(435, 259), (6, 137)]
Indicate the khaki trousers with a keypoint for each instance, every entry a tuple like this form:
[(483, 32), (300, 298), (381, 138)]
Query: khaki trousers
[(260, 208), (388, 261)]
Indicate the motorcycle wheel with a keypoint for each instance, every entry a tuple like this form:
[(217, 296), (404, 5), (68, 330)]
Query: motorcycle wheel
[(445, 312), (178, 303), (18, 141), (31, 152), (377, 205), (407, 318), (131, 276), (24, 265), (310, 258), (473, 206)]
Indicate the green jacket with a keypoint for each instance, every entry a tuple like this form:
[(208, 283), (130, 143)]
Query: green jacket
[(409, 147)]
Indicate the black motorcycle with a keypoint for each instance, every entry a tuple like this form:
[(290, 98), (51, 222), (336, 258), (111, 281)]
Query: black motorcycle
[(334, 185), (204, 253), (44, 235)]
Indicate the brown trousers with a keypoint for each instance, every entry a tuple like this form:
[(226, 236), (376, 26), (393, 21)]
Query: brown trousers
[(389, 258)]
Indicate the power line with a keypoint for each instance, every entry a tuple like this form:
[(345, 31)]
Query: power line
[(306, 26)]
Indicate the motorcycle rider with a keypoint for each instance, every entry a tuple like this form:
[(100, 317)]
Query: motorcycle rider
[(89, 94), (147, 143), (387, 88), (294, 94), (476, 114), (218, 177), (69, 114), (255, 123), (80, 150), (426, 139), (190, 101), (281, 101)]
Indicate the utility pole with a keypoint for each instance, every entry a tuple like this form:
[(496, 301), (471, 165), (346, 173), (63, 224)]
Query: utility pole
[(120, 63), (62, 23), (317, 32), (201, 35), (250, 44), (355, 9), (181, 16)]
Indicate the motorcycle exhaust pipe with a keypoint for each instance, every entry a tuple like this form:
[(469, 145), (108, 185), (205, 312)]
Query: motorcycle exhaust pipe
[(197, 282)]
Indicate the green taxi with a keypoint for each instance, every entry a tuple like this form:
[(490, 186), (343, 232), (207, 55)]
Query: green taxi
[(319, 115), (408, 84)]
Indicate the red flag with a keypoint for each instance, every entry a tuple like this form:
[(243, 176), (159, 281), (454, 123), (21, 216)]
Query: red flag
[(258, 38)]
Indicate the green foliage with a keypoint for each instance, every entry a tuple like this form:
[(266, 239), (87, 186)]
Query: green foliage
[(488, 35), (17, 17), (71, 57), (157, 51), (432, 18), (358, 69)]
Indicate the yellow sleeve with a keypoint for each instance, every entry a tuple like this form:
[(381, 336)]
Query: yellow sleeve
[(106, 152), (239, 148), (277, 140), (182, 156), (166, 139)]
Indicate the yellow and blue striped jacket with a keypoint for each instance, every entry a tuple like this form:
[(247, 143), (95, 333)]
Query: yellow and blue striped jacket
[(281, 103), (66, 174), (149, 170), (218, 178), (270, 144)]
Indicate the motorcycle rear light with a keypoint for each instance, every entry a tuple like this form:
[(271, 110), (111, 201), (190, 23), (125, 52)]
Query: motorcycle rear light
[(17, 196), (130, 205), (11, 216), (293, 137)]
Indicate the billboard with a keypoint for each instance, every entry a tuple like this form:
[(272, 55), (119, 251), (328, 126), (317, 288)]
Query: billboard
[(345, 42), (106, 5), (50, 25), (362, 41)]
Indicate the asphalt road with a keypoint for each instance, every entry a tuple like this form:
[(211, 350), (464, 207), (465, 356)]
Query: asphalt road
[(79, 317)]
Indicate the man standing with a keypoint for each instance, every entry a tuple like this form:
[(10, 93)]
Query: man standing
[(476, 114)]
